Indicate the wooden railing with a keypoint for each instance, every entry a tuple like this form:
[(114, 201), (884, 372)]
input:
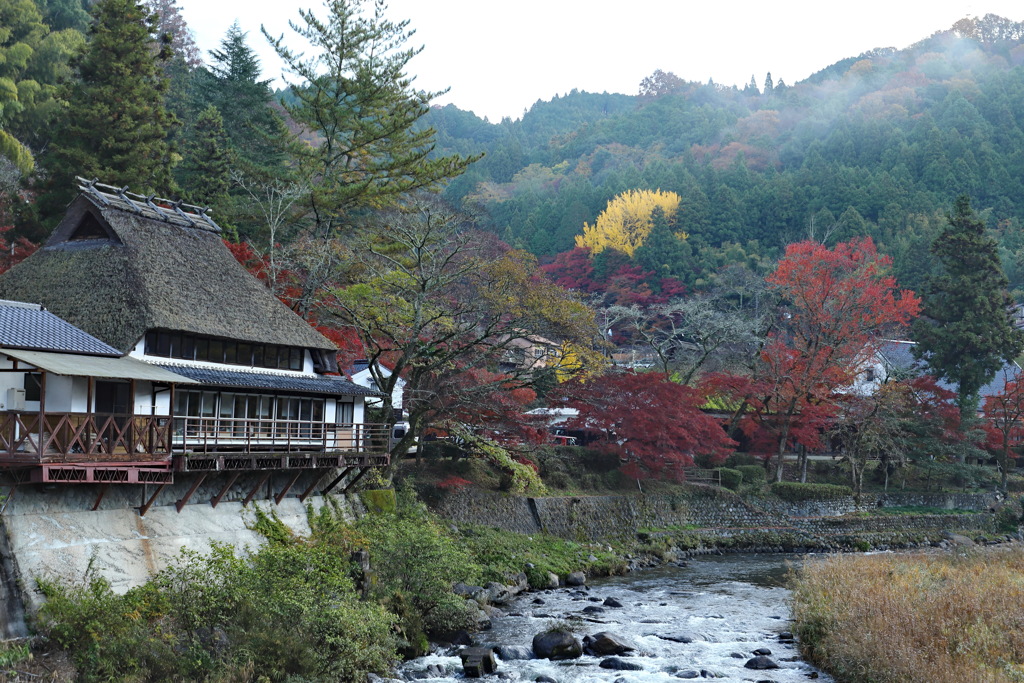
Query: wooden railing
[(249, 435), (83, 437)]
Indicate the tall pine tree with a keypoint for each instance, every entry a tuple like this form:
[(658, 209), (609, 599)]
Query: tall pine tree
[(663, 252), (965, 333), (115, 126), (355, 97)]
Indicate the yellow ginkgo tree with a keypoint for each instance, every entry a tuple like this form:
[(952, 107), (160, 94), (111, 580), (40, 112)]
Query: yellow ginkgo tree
[(626, 221)]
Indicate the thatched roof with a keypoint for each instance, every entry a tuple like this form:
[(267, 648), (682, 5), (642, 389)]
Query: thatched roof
[(119, 265)]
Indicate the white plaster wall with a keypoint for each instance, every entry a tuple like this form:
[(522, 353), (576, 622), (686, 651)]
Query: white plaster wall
[(10, 380), (59, 394)]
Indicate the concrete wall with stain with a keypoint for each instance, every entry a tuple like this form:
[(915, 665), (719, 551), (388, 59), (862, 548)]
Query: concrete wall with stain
[(51, 532)]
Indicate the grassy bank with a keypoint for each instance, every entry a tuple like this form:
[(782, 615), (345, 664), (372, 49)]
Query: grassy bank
[(914, 618)]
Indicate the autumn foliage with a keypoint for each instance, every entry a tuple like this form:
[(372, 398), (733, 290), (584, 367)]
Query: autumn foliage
[(655, 425), (626, 221), (838, 305)]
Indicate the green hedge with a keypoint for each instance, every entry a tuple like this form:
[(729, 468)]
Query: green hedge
[(752, 474), (731, 479), (795, 492)]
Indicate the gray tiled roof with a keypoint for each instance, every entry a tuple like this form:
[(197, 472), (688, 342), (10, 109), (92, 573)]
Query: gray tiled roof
[(309, 384), (900, 356), (27, 326)]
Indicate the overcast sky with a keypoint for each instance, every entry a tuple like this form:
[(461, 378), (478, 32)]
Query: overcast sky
[(498, 58)]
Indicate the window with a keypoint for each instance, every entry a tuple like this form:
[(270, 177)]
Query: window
[(33, 386), (194, 347)]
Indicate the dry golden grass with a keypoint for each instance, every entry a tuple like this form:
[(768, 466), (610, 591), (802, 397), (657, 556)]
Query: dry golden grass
[(910, 618)]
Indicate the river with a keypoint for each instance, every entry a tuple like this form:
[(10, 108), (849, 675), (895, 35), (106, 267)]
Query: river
[(728, 606)]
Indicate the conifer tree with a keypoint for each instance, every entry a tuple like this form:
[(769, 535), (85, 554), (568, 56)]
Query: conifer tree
[(115, 126), (205, 170), (355, 96), (664, 252), (233, 85), (965, 333)]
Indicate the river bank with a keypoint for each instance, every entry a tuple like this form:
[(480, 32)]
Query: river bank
[(914, 618)]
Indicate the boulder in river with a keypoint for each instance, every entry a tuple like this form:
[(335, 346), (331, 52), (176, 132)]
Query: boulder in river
[(684, 638), (593, 609), (604, 643), (689, 673), (762, 651), (557, 645), (478, 662), (760, 663), (611, 602), (576, 579), (617, 664)]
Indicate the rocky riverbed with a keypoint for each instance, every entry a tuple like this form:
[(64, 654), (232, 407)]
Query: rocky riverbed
[(725, 618)]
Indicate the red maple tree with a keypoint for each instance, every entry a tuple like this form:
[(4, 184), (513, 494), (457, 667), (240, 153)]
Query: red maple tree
[(838, 305), (1004, 413), (655, 425)]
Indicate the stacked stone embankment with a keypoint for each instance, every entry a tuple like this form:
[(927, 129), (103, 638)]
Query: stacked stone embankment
[(592, 518)]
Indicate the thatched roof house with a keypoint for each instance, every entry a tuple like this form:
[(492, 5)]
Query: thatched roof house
[(119, 265)]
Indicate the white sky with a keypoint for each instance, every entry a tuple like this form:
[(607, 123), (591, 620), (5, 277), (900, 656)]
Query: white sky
[(499, 58)]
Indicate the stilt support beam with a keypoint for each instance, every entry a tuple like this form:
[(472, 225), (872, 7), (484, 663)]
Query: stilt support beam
[(231, 482), (192, 489), (309, 489), (99, 497), (152, 499), (262, 481), (287, 487), (359, 476), (337, 480)]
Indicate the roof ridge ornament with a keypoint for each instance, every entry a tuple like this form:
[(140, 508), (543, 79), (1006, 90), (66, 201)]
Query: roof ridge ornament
[(174, 212)]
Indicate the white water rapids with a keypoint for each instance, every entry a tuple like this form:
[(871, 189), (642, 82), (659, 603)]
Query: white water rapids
[(729, 606)]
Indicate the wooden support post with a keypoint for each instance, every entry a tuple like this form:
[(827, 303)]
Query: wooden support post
[(287, 487), (359, 476), (149, 503), (337, 480), (99, 498), (309, 490), (231, 482), (184, 501), (262, 481)]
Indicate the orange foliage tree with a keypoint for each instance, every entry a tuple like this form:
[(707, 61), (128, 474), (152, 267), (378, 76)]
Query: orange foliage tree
[(837, 306)]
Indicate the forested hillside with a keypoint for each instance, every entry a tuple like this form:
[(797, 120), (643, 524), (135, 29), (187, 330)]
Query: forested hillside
[(880, 145)]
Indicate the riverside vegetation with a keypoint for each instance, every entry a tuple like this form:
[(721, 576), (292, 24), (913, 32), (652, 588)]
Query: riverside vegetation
[(912, 618)]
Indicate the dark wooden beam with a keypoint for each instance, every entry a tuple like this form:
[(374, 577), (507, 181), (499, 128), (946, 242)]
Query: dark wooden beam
[(337, 480), (231, 482), (309, 490), (152, 499), (252, 494), (359, 476), (192, 489), (287, 487), (99, 498)]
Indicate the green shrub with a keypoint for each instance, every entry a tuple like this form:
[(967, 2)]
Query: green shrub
[(795, 492), (731, 479), (740, 460), (752, 474)]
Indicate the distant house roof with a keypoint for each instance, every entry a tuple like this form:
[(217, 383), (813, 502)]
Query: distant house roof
[(29, 327), (899, 355), (313, 384), (120, 264)]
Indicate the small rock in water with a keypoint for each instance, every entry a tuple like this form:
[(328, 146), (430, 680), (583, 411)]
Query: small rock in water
[(762, 651), (593, 609), (662, 604), (689, 673), (593, 599), (785, 637), (545, 679), (737, 655), (611, 602), (761, 663), (619, 665), (677, 638), (511, 652), (604, 643), (538, 601)]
